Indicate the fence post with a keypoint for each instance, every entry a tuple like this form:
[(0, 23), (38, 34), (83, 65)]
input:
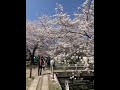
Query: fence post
[(30, 71)]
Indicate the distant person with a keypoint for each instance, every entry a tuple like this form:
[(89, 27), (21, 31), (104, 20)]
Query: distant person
[(51, 63), (43, 58), (40, 65), (48, 62), (87, 64), (51, 66), (66, 85)]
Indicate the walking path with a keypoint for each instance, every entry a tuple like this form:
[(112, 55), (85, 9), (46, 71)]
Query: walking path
[(41, 82), (29, 81), (34, 84), (45, 83)]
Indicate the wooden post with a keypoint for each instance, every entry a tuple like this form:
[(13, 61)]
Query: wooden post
[(30, 71)]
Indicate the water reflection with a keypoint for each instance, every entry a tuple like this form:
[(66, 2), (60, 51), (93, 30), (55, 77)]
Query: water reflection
[(77, 84)]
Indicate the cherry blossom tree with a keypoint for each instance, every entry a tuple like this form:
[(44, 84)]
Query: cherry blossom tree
[(85, 17), (59, 34), (79, 31)]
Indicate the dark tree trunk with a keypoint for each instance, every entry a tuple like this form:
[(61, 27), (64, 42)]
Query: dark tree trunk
[(30, 71), (30, 62), (32, 55), (29, 54), (32, 58)]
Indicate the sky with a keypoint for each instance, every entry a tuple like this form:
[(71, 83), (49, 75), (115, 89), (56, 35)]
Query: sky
[(36, 8)]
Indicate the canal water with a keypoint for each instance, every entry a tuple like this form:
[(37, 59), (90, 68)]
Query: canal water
[(77, 83)]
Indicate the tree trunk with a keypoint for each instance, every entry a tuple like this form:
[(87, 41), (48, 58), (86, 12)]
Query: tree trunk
[(30, 62), (32, 58), (32, 55), (30, 71)]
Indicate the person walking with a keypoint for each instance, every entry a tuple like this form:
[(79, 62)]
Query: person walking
[(48, 62), (40, 65), (86, 65), (51, 66)]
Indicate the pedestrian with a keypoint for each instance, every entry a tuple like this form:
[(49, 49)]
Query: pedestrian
[(87, 65), (48, 62), (51, 66), (40, 65), (43, 59)]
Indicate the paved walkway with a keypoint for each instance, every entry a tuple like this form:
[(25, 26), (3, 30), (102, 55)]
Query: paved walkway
[(41, 82), (34, 72), (34, 84), (45, 84), (29, 81)]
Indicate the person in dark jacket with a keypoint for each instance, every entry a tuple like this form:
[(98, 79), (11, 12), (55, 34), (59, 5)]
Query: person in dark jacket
[(40, 65), (48, 62)]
